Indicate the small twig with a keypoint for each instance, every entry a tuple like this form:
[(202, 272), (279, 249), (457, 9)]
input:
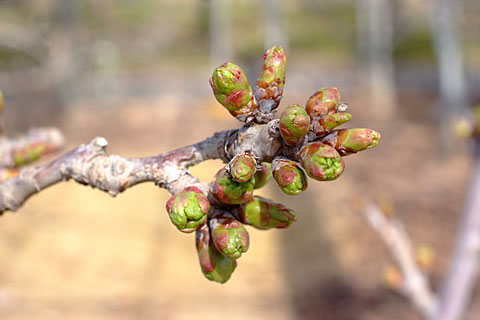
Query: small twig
[(456, 291), (392, 233)]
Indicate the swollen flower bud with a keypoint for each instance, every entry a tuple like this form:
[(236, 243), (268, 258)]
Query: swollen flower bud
[(321, 162), (274, 67), (294, 125), (269, 88), (329, 122), (188, 209), (215, 267), (229, 191), (229, 235), (262, 213), (290, 177), (263, 175), (231, 88), (323, 102), (353, 140), (242, 168)]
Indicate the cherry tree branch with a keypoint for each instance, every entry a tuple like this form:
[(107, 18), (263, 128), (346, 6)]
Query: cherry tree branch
[(459, 282), (91, 165), (457, 288), (391, 231)]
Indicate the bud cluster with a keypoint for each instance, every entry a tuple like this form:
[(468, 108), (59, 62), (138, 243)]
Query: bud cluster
[(232, 90), (311, 145)]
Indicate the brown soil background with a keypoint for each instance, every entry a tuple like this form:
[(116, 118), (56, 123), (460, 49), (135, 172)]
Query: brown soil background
[(76, 253)]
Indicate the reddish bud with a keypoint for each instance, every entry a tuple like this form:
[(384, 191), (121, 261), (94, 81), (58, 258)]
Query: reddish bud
[(231, 88), (263, 175), (262, 213), (321, 162), (329, 122), (215, 267), (352, 140), (269, 89), (294, 125), (229, 191), (229, 236), (289, 176), (242, 168), (188, 209), (323, 102)]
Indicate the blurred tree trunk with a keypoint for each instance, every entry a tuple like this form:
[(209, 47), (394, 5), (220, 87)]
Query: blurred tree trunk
[(375, 50), (275, 34), (443, 16), (220, 31), (64, 56)]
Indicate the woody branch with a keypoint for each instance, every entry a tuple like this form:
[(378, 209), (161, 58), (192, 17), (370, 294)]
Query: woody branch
[(391, 231), (91, 165)]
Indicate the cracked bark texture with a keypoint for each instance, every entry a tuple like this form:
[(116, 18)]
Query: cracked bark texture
[(90, 164)]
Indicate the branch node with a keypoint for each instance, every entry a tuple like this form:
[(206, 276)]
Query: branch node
[(100, 143)]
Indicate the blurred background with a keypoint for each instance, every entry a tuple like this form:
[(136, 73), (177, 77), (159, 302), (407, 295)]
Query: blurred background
[(136, 72)]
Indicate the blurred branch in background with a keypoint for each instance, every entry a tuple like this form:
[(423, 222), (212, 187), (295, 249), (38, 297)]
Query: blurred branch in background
[(459, 282), (375, 47), (392, 233), (444, 19), (20, 38)]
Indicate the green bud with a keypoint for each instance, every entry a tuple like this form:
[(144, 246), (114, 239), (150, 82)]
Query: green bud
[(321, 162), (262, 213), (215, 267), (263, 175), (329, 122), (188, 209), (274, 67), (323, 102), (242, 168), (352, 140), (229, 191), (294, 125), (231, 88), (229, 235), (269, 89), (289, 176)]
